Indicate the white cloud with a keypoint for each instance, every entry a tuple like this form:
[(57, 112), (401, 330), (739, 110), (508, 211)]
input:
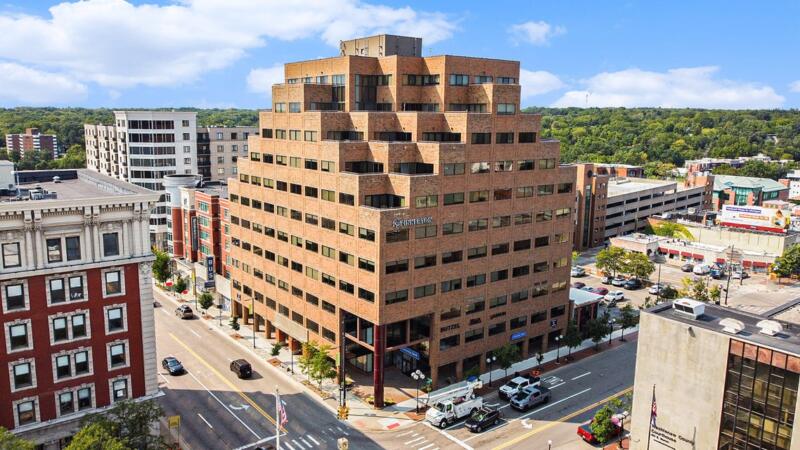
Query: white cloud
[(536, 33), (538, 82), (118, 44), (676, 88), (794, 86), (261, 80), (23, 85)]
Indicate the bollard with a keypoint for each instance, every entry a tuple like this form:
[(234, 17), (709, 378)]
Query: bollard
[(342, 444)]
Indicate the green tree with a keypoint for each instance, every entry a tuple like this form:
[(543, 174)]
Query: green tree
[(602, 427), (673, 230), (695, 289), (10, 441), (506, 356), (310, 349), (714, 293), (95, 437), (235, 323), (669, 293), (628, 319), (131, 423), (162, 267), (276, 348), (572, 337), (788, 263), (322, 367), (610, 260), (205, 300), (638, 265), (598, 329), (181, 284)]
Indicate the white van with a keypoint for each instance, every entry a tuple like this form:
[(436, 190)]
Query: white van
[(701, 269)]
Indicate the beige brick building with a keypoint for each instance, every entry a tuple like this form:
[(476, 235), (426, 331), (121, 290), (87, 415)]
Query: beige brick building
[(406, 204)]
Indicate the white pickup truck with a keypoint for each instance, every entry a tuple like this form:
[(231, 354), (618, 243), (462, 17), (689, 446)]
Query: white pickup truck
[(446, 412), (517, 384)]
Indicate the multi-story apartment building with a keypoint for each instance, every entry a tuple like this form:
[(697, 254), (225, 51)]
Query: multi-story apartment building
[(746, 191), (33, 140), (404, 209), (223, 146), (609, 206), (714, 378), (142, 147), (77, 305)]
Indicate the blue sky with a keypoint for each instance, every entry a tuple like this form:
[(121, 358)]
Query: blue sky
[(225, 53)]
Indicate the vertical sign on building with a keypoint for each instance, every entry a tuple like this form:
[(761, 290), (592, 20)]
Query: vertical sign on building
[(210, 271), (195, 244)]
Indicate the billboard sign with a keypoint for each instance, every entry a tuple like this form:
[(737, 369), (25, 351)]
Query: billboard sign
[(755, 218)]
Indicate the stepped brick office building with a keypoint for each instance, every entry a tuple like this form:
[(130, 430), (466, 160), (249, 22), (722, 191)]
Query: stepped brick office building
[(77, 306), (405, 203)]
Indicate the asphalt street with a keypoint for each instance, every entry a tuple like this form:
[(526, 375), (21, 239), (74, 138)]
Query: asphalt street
[(220, 411), (578, 390)]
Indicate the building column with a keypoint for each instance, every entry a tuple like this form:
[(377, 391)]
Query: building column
[(377, 365), (124, 239), (40, 246), (144, 233), (86, 251), (135, 233)]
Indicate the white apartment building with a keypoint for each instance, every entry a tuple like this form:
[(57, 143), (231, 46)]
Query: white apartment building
[(141, 147), (794, 183)]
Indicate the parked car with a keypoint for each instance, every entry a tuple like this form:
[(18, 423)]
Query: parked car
[(633, 283), (606, 278), (578, 285), (577, 271), (600, 290), (740, 275), (530, 397), (614, 296), (184, 312), (172, 365), (618, 281), (585, 432), (517, 384), (241, 368), (688, 267), (717, 273), (701, 269), (656, 289), (482, 419), (587, 289)]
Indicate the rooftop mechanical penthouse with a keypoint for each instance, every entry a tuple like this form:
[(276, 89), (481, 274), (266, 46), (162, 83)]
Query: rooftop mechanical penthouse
[(404, 204)]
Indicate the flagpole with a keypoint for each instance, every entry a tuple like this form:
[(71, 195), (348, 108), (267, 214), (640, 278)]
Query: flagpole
[(278, 416), (650, 428)]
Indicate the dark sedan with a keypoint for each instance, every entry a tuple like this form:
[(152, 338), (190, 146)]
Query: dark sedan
[(172, 365), (483, 419)]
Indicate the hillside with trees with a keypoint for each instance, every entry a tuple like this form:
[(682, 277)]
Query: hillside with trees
[(661, 139)]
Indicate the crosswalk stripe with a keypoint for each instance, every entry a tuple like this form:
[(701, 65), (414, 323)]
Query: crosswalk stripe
[(421, 438), (296, 443), (427, 446), (314, 440), (305, 442), (343, 431), (286, 444)]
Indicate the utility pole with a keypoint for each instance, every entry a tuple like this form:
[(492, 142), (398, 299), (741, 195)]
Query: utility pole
[(194, 285), (342, 364), (730, 266)]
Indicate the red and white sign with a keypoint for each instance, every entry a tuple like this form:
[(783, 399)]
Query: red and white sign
[(755, 218)]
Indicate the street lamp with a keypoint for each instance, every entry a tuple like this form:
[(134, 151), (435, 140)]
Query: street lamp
[(418, 376), (610, 330), (558, 347), (549, 444), (490, 360)]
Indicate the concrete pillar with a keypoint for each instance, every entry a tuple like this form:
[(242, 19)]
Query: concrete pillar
[(124, 239), (96, 242), (87, 252), (30, 260), (40, 247), (377, 364)]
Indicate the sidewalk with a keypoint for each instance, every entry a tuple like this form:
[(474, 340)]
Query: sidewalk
[(362, 415)]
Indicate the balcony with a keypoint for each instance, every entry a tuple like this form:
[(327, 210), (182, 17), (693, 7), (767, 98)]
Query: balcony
[(384, 201), (362, 167)]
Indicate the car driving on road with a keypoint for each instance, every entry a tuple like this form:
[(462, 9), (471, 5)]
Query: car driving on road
[(516, 385), (184, 312), (482, 419), (172, 365), (530, 397)]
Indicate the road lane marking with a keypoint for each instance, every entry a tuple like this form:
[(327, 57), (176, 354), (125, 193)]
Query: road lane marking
[(260, 441), (313, 440), (491, 428), (581, 376), (427, 446), (452, 438), (404, 434), (551, 404), (226, 381), (204, 420), (305, 442), (421, 438), (165, 312), (559, 384), (343, 431), (522, 437), (287, 445), (223, 405), (195, 333), (296, 443), (165, 378)]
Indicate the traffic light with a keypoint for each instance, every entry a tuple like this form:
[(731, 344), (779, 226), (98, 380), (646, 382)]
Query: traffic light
[(342, 413)]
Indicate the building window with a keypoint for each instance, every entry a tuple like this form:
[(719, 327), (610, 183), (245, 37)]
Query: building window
[(117, 355), (504, 138), (506, 108), (23, 375), (85, 398), (112, 283), (54, 250), (458, 79), (65, 403), (14, 296), (63, 367), (73, 245), (18, 336), (110, 244), (11, 256), (26, 411), (119, 389), (115, 320)]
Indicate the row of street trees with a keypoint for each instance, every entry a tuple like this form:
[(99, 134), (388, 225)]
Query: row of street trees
[(615, 260)]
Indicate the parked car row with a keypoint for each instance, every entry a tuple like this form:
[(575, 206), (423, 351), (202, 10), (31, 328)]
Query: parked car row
[(620, 281)]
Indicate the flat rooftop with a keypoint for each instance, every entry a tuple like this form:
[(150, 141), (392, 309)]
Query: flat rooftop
[(75, 184), (622, 186), (787, 341)]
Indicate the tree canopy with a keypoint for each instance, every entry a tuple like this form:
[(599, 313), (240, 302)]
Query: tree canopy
[(787, 264)]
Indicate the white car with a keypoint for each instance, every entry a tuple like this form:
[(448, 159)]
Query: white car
[(656, 289), (614, 296), (701, 269), (577, 271)]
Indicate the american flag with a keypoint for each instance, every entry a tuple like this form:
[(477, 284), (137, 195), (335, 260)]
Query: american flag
[(653, 409), (282, 419)]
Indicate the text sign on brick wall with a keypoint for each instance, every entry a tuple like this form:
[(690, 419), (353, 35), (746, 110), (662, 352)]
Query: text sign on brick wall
[(401, 223)]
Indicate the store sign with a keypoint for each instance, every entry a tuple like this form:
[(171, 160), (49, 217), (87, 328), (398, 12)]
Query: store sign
[(209, 269), (519, 335), (401, 223), (410, 352), (195, 234), (755, 218)]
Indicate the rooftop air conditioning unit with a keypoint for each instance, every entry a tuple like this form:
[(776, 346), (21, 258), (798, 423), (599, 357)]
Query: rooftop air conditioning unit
[(770, 327), (688, 307), (731, 326)]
